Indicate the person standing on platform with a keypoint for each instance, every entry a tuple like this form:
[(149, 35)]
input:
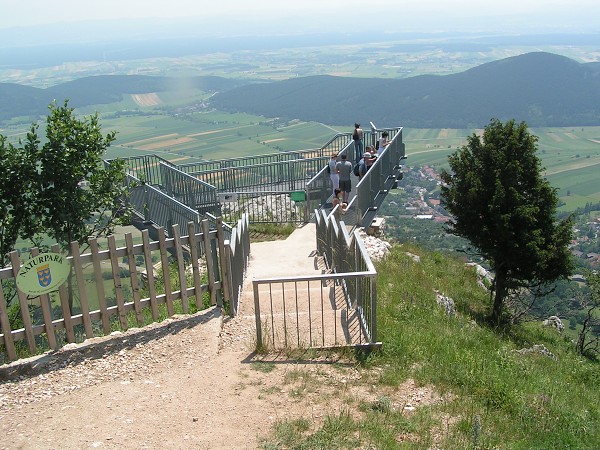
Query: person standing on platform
[(358, 137), (344, 169), (333, 175), (383, 142)]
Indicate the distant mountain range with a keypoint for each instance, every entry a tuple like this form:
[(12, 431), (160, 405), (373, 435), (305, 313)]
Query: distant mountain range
[(542, 89)]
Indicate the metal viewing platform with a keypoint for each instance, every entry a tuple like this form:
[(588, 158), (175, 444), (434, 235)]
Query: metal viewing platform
[(285, 187)]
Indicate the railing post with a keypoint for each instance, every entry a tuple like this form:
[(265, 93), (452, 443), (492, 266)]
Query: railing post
[(373, 300), (225, 264), (146, 205), (259, 343)]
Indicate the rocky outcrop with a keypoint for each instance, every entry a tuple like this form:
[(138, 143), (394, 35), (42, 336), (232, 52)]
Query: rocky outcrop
[(554, 321), (484, 278), (539, 349), (377, 248), (445, 302), (278, 208)]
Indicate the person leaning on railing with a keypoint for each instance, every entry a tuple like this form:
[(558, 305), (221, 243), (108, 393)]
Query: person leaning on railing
[(366, 162), (383, 142)]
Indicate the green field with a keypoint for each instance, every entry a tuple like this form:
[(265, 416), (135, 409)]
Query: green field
[(213, 135), (570, 155)]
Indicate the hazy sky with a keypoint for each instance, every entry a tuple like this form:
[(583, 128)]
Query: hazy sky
[(311, 15)]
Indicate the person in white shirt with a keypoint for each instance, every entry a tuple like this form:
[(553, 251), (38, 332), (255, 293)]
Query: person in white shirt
[(383, 142), (333, 175)]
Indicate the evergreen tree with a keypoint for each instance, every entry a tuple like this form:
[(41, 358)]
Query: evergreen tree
[(503, 205)]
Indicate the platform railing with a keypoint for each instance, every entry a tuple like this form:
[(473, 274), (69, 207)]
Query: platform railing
[(154, 205), (285, 175), (333, 309), (376, 183)]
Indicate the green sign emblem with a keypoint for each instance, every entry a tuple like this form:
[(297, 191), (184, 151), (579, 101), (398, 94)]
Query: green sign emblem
[(43, 273)]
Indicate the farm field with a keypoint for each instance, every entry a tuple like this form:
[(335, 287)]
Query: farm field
[(570, 155), (213, 135)]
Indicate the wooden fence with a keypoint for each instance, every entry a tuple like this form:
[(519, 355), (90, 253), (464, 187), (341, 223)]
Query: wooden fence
[(104, 292)]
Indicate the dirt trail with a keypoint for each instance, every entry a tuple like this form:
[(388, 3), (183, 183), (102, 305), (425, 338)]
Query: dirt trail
[(180, 384), (189, 382)]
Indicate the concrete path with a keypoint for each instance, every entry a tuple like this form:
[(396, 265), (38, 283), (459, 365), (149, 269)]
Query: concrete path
[(294, 256), (295, 314), (289, 257)]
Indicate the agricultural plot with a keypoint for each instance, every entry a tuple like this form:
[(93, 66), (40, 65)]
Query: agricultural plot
[(571, 157), (165, 124), (213, 135)]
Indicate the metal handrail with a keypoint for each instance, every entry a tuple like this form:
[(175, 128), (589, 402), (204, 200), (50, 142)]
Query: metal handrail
[(350, 268), (381, 177)]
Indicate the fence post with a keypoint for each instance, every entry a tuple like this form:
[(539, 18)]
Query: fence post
[(164, 258), (83, 300), (9, 343), (180, 268), (209, 258), (133, 275), (100, 285), (150, 273), (16, 265), (193, 244), (373, 300), (47, 313), (114, 263)]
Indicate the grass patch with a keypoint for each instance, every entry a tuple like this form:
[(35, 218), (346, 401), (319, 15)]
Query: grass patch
[(491, 394), (270, 231), (261, 366)]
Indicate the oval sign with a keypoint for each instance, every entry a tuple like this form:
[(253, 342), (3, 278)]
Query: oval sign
[(43, 273)]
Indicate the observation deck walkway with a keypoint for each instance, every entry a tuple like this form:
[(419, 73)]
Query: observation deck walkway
[(286, 187), (317, 287)]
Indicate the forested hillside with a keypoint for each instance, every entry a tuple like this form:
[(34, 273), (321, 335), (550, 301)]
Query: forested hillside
[(18, 100), (540, 88)]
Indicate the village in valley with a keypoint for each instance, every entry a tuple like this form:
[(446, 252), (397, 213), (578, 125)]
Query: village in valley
[(418, 199)]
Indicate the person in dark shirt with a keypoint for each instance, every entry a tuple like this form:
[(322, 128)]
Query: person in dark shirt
[(358, 136)]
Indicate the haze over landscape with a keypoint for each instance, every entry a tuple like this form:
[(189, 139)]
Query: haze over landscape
[(28, 22)]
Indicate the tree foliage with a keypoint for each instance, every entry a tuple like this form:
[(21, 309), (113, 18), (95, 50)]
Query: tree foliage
[(16, 203), (503, 205), (60, 189), (73, 184)]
